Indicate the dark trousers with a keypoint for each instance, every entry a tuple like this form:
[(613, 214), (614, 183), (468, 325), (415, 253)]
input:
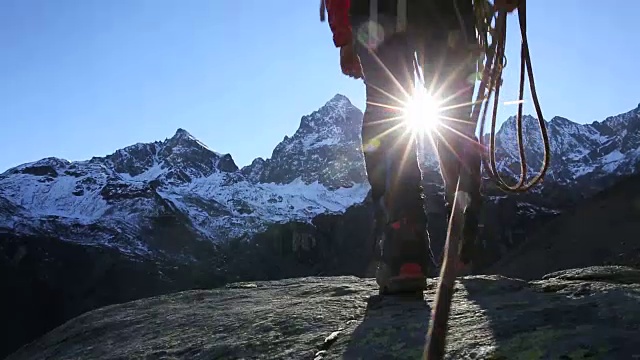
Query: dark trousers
[(389, 149)]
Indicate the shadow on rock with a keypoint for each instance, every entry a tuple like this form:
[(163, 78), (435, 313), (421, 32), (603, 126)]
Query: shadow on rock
[(393, 327), (560, 317)]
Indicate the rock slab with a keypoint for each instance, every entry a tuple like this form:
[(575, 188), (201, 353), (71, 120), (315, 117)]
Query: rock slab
[(591, 313)]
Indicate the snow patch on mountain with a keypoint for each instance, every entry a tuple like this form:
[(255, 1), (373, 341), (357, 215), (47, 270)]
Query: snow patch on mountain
[(53, 196), (251, 206)]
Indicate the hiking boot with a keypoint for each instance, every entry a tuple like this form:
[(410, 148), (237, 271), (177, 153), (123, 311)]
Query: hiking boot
[(403, 266), (409, 279)]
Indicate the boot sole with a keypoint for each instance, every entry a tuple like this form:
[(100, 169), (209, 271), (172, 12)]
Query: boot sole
[(413, 285)]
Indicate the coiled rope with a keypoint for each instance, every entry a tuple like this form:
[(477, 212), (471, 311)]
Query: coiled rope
[(492, 81)]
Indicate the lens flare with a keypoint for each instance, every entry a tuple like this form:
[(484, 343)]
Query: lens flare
[(422, 111)]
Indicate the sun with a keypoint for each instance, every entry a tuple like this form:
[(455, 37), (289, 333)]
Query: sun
[(422, 112)]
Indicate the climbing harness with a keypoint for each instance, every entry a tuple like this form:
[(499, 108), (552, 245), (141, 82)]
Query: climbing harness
[(491, 81)]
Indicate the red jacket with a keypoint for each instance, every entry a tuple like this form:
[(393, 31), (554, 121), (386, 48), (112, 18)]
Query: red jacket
[(338, 14)]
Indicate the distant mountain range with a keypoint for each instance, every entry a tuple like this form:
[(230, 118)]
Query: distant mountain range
[(112, 200), (171, 215)]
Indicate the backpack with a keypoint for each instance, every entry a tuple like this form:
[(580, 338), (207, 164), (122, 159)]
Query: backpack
[(445, 14)]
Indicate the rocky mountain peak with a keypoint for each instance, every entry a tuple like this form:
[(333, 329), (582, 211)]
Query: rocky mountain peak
[(49, 166), (184, 139), (529, 123), (338, 102), (179, 158), (325, 148), (253, 171), (182, 134), (189, 158), (620, 123), (337, 112), (561, 121)]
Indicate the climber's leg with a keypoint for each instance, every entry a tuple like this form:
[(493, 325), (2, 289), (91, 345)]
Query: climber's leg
[(392, 165), (450, 67)]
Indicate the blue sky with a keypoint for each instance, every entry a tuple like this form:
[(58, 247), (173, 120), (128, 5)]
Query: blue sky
[(81, 78)]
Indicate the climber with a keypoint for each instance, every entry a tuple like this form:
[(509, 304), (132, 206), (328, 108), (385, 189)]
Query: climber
[(378, 40)]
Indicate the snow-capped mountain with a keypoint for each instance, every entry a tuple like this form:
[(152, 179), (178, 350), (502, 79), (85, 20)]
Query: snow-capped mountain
[(581, 154), (325, 148), (318, 170), (115, 200)]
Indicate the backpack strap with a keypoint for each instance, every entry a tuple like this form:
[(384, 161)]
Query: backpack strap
[(401, 18), (373, 21), (401, 24), (323, 10)]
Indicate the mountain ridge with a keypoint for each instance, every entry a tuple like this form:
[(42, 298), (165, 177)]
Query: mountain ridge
[(318, 169)]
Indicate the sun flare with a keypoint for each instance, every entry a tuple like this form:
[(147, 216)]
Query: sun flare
[(422, 112)]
